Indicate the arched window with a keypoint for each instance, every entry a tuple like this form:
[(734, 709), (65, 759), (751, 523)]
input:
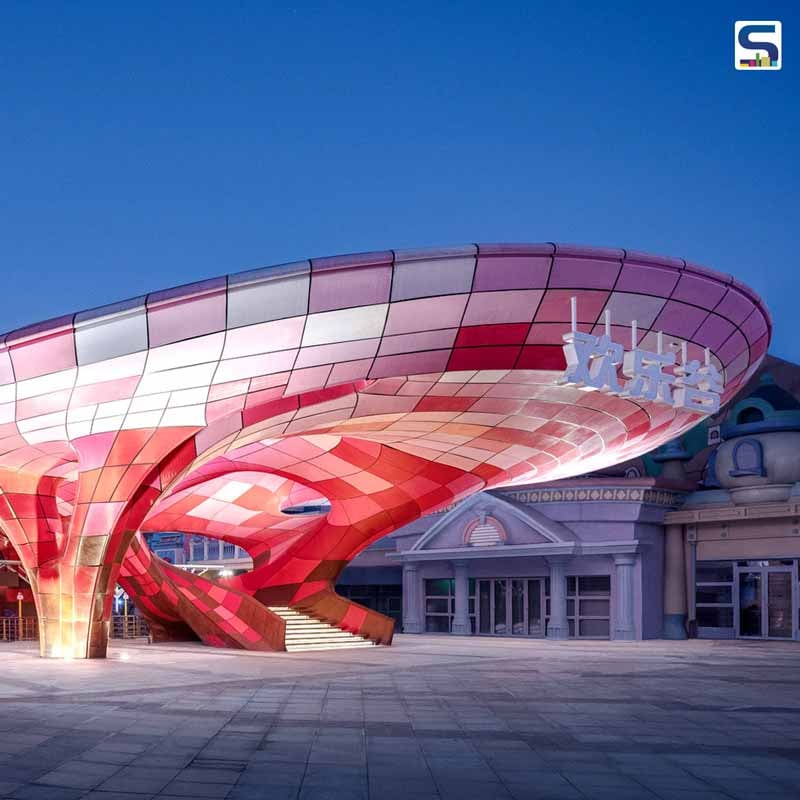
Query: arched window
[(484, 532), (749, 415), (748, 459)]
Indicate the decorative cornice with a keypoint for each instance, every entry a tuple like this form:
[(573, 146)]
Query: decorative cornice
[(597, 494), (629, 546), (721, 513)]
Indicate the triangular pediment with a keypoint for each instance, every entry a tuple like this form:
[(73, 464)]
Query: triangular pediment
[(486, 521)]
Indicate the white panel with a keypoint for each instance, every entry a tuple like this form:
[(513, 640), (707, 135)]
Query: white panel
[(143, 419), (7, 393), (253, 366), (344, 325), (78, 429), (81, 413), (112, 370), (114, 408), (232, 491), (186, 378), (44, 384), (56, 434), (188, 397), (7, 412), (42, 421), (150, 402), (206, 509), (186, 415), (267, 337), (107, 424), (200, 350)]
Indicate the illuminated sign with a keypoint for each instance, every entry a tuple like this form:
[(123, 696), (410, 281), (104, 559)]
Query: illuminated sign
[(593, 364)]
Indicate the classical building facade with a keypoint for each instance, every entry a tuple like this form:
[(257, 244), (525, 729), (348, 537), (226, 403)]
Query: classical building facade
[(700, 538)]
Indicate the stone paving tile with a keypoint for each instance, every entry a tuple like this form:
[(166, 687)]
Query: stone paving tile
[(428, 719)]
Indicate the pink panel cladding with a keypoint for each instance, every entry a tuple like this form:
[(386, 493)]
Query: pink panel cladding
[(377, 387)]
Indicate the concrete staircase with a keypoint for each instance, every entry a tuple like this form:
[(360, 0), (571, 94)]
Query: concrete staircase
[(304, 632)]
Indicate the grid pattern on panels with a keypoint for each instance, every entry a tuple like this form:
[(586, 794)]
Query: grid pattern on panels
[(391, 384)]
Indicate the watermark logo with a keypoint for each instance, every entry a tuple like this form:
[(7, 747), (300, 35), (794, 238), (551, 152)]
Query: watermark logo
[(757, 44)]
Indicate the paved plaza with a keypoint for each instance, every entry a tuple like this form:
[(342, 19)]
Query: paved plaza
[(430, 717)]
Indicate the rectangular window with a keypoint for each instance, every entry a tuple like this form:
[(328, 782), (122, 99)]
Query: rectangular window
[(437, 605), (198, 548), (595, 628), (715, 617), (588, 605), (383, 598), (714, 594), (437, 624), (440, 604), (714, 598), (714, 572)]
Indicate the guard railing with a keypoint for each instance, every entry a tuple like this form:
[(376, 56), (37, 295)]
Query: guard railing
[(128, 626), (16, 629)]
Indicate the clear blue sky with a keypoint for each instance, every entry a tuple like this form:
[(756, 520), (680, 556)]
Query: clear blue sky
[(144, 145)]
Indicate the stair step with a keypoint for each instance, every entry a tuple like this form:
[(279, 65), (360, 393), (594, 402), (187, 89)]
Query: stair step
[(308, 624), (297, 648), (304, 633)]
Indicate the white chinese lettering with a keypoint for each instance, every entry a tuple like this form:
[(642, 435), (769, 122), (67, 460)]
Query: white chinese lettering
[(698, 388), (647, 381), (591, 362)]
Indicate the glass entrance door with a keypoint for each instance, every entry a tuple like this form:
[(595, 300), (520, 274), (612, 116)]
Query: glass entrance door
[(779, 604), (765, 601), (535, 616), (750, 606), (510, 606)]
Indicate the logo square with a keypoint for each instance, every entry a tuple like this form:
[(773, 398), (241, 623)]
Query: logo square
[(757, 44)]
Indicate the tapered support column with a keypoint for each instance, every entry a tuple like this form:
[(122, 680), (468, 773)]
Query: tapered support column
[(412, 599), (73, 559), (624, 627), (461, 624), (558, 626), (675, 611)]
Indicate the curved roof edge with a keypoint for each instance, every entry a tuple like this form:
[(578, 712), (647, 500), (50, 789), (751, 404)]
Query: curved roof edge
[(355, 260)]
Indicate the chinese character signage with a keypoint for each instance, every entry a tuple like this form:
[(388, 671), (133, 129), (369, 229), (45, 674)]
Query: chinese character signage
[(593, 364)]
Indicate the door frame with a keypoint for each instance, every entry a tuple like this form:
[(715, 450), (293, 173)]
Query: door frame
[(509, 623), (764, 571)]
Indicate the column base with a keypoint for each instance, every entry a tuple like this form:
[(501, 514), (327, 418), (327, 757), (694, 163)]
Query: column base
[(624, 635), (557, 632), (461, 629), (675, 626), (412, 627)]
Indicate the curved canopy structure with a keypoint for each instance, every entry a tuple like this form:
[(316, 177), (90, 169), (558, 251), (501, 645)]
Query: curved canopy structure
[(389, 384)]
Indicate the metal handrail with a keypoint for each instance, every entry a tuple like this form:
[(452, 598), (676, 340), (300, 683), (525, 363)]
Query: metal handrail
[(26, 629), (128, 626), (16, 629)]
